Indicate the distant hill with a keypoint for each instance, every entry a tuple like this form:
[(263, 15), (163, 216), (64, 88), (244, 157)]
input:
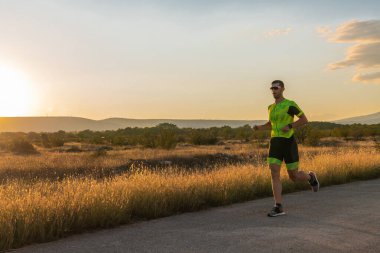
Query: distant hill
[(324, 125), (366, 119), (69, 124)]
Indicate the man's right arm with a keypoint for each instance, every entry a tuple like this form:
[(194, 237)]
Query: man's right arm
[(267, 125)]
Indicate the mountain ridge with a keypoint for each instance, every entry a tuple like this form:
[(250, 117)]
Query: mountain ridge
[(72, 124), (373, 118)]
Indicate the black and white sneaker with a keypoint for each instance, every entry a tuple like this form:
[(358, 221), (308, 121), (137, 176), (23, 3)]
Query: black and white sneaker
[(314, 183), (276, 211)]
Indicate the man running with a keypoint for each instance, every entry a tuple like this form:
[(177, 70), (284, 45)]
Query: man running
[(283, 146)]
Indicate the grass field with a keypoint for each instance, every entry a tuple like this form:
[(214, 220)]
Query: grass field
[(48, 196)]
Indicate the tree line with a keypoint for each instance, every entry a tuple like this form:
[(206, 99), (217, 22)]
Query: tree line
[(167, 136)]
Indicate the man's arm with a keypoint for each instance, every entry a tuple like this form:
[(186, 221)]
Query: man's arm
[(267, 125), (300, 122)]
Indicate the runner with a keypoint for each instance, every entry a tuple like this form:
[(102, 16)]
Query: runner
[(283, 146)]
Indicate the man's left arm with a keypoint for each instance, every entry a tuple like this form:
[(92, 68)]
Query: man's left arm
[(300, 122)]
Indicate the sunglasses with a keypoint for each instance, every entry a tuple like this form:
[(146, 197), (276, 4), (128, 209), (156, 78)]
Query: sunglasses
[(274, 88)]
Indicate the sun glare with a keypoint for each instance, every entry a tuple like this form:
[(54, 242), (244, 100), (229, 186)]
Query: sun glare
[(15, 93)]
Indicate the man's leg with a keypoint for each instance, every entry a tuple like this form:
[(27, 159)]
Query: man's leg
[(274, 160), (277, 210), (298, 175), (276, 182), (291, 159)]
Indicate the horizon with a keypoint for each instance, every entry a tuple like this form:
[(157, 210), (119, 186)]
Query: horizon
[(116, 117), (203, 60)]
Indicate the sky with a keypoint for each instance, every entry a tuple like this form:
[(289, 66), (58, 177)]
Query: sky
[(188, 59)]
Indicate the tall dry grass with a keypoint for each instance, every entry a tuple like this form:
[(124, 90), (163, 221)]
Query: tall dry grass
[(55, 165), (43, 210)]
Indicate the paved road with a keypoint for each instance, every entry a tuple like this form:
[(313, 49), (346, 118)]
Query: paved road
[(344, 218)]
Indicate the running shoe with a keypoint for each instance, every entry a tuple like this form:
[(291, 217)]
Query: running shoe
[(276, 211), (314, 183)]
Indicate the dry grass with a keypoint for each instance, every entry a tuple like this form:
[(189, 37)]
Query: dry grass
[(55, 165), (43, 210)]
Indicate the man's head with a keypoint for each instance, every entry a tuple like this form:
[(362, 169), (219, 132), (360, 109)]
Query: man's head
[(277, 88)]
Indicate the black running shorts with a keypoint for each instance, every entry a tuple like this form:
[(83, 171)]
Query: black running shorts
[(284, 149)]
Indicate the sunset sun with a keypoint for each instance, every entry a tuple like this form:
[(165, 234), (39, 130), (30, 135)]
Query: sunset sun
[(15, 93)]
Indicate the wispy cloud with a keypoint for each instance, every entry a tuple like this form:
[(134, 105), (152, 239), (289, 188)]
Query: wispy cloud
[(367, 78), (324, 31), (362, 56), (365, 54), (278, 32), (358, 31)]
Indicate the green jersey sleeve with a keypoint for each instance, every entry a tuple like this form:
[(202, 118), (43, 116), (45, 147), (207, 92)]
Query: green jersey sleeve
[(294, 109)]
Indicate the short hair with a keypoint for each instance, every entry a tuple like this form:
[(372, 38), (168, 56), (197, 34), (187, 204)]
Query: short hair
[(281, 83)]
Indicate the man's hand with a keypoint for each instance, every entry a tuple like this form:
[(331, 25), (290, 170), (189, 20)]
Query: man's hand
[(262, 127), (285, 128)]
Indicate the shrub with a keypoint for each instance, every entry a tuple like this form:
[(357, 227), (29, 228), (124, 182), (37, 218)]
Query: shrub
[(118, 140), (148, 139), (302, 133), (23, 147), (203, 138), (313, 138), (167, 138), (244, 133), (57, 141), (52, 140), (357, 133), (261, 137), (45, 141)]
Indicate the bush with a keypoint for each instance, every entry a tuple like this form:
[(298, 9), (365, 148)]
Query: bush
[(302, 133), (357, 133), (45, 141), (23, 147), (203, 138), (52, 140), (313, 138), (57, 141), (245, 133), (148, 139), (261, 137), (118, 140), (342, 132), (167, 138)]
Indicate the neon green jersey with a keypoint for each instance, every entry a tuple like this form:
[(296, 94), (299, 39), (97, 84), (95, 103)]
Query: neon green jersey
[(282, 114)]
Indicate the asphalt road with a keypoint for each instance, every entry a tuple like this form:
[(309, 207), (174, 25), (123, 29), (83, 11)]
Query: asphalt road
[(344, 218)]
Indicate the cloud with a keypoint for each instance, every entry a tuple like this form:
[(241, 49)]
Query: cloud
[(324, 31), (278, 32), (367, 78), (358, 31), (364, 54)]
